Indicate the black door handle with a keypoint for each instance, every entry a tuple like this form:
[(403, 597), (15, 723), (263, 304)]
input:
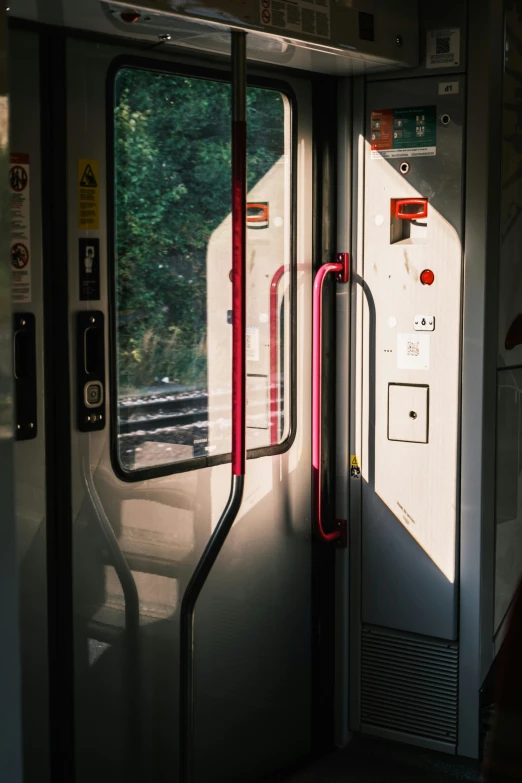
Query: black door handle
[(24, 372)]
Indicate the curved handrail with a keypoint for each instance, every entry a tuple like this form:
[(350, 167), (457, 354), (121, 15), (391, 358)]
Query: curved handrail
[(218, 537), (132, 616), (274, 345), (341, 269), (275, 386)]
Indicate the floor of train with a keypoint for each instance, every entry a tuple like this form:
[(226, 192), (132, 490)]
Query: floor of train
[(368, 760)]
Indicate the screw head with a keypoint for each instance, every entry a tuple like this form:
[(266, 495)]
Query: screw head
[(398, 40)]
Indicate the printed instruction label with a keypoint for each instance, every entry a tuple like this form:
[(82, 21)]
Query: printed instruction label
[(19, 195), (404, 133), (88, 195), (89, 261), (413, 351), (443, 48), (252, 344), (297, 16)]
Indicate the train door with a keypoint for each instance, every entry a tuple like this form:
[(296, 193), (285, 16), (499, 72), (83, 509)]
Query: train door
[(25, 182), (149, 238)]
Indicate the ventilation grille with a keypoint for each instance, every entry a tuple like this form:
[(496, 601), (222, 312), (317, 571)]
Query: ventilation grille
[(366, 27), (409, 684)]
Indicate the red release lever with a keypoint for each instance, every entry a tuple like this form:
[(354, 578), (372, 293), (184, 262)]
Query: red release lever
[(257, 212), (405, 202)]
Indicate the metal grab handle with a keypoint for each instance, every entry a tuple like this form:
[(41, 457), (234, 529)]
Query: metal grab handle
[(405, 202), (275, 385), (222, 529), (341, 268)]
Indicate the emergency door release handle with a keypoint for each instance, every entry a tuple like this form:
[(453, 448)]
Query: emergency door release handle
[(341, 269), (401, 203)]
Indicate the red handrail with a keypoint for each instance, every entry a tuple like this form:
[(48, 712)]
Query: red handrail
[(341, 268)]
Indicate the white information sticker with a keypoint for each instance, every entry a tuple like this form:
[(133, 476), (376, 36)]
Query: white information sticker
[(297, 16), (252, 344), (19, 202), (413, 351), (443, 48), (448, 88)]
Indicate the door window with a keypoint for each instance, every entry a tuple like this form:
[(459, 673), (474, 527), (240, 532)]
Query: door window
[(171, 263)]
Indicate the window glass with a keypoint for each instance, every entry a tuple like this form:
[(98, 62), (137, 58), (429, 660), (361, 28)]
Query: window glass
[(172, 147)]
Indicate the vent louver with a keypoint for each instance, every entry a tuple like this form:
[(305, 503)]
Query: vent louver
[(366, 26), (409, 684)]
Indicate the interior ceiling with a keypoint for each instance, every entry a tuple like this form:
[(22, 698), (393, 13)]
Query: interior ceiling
[(104, 17)]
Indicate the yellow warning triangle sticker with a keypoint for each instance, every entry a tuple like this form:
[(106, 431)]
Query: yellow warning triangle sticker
[(354, 462), (88, 179)]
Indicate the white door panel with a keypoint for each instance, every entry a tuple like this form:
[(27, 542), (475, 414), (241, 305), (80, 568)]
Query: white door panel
[(253, 620)]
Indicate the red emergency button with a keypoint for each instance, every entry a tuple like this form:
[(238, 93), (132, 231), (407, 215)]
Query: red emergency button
[(427, 277)]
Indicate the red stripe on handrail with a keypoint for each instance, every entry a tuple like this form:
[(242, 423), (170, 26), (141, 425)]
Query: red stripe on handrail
[(238, 296)]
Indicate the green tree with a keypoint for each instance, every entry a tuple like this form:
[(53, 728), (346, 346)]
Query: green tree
[(173, 169)]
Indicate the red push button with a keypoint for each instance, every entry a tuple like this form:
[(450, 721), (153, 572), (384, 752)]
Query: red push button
[(427, 277)]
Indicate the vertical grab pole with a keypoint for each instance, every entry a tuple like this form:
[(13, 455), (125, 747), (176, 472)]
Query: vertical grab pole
[(239, 196), (218, 537)]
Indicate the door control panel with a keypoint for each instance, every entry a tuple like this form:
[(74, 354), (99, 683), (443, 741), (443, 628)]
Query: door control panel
[(91, 370), (424, 323)]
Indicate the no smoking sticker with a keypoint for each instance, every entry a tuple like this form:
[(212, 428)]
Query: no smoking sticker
[(19, 196), (19, 256), (18, 178)]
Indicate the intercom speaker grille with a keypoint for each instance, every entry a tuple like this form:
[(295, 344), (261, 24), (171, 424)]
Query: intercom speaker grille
[(366, 26), (409, 684)]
